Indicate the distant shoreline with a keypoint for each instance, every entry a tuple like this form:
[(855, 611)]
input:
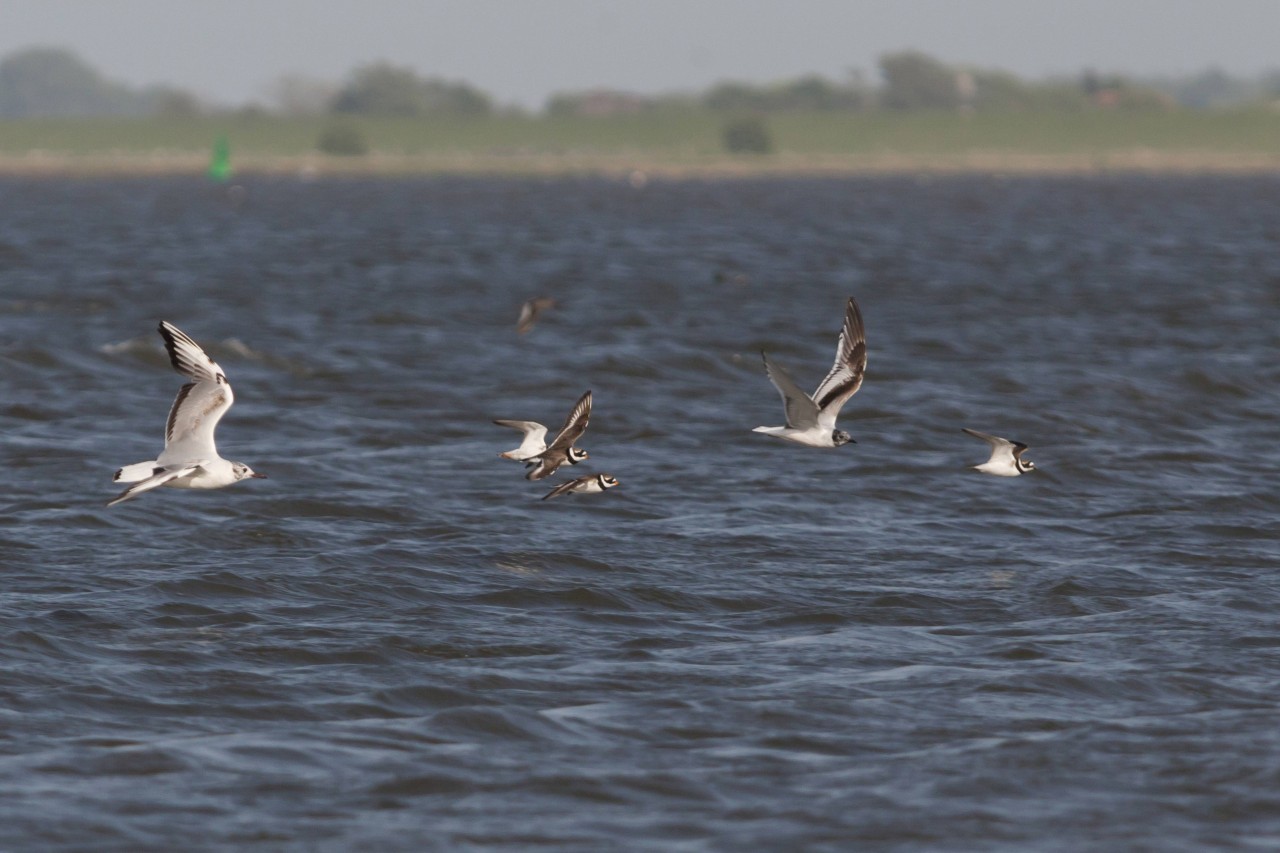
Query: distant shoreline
[(641, 166)]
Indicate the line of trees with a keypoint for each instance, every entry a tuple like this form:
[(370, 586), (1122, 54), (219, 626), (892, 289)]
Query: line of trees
[(39, 82), (914, 81), (50, 82)]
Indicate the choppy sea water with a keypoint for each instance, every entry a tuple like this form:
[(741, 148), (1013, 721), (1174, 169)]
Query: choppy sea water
[(393, 644)]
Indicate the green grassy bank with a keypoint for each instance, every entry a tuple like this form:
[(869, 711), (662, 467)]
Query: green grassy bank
[(1245, 140)]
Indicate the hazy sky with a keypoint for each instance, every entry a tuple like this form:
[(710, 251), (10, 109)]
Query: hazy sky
[(522, 50)]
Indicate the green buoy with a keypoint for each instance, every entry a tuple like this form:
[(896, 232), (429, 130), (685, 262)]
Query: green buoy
[(220, 164)]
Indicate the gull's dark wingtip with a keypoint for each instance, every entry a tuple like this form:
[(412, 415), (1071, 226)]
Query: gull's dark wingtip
[(171, 335)]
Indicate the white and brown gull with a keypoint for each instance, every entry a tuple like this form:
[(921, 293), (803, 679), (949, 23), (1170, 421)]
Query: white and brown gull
[(811, 420), (531, 310), (190, 459)]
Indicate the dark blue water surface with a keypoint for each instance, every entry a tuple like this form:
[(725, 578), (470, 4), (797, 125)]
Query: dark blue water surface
[(393, 644)]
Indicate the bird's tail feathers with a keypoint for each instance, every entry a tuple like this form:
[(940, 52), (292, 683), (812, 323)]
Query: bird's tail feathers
[(155, 481)]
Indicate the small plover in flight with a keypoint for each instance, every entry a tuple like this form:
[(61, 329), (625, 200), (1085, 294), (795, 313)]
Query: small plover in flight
[(531, 310), (1006, 456), (812, 420), (189, 460), (543, 460), (534, 443), (584, 485)]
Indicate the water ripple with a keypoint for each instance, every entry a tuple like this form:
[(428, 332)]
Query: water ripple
[(393, 643)]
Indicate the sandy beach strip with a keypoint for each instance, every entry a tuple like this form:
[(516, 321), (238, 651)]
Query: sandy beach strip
[(639, 166)]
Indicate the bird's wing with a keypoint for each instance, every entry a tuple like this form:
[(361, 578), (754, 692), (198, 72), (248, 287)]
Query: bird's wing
[(531, 429), (574, 425), (200, 403), (563, 488), (526, 319), (187, 357), (850, 365), (195, 414), (155, 481), (802, 412), (1001, 448), (547, 464)]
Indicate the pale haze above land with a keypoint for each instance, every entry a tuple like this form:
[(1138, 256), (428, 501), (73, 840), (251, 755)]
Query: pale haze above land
[(521, 51)]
